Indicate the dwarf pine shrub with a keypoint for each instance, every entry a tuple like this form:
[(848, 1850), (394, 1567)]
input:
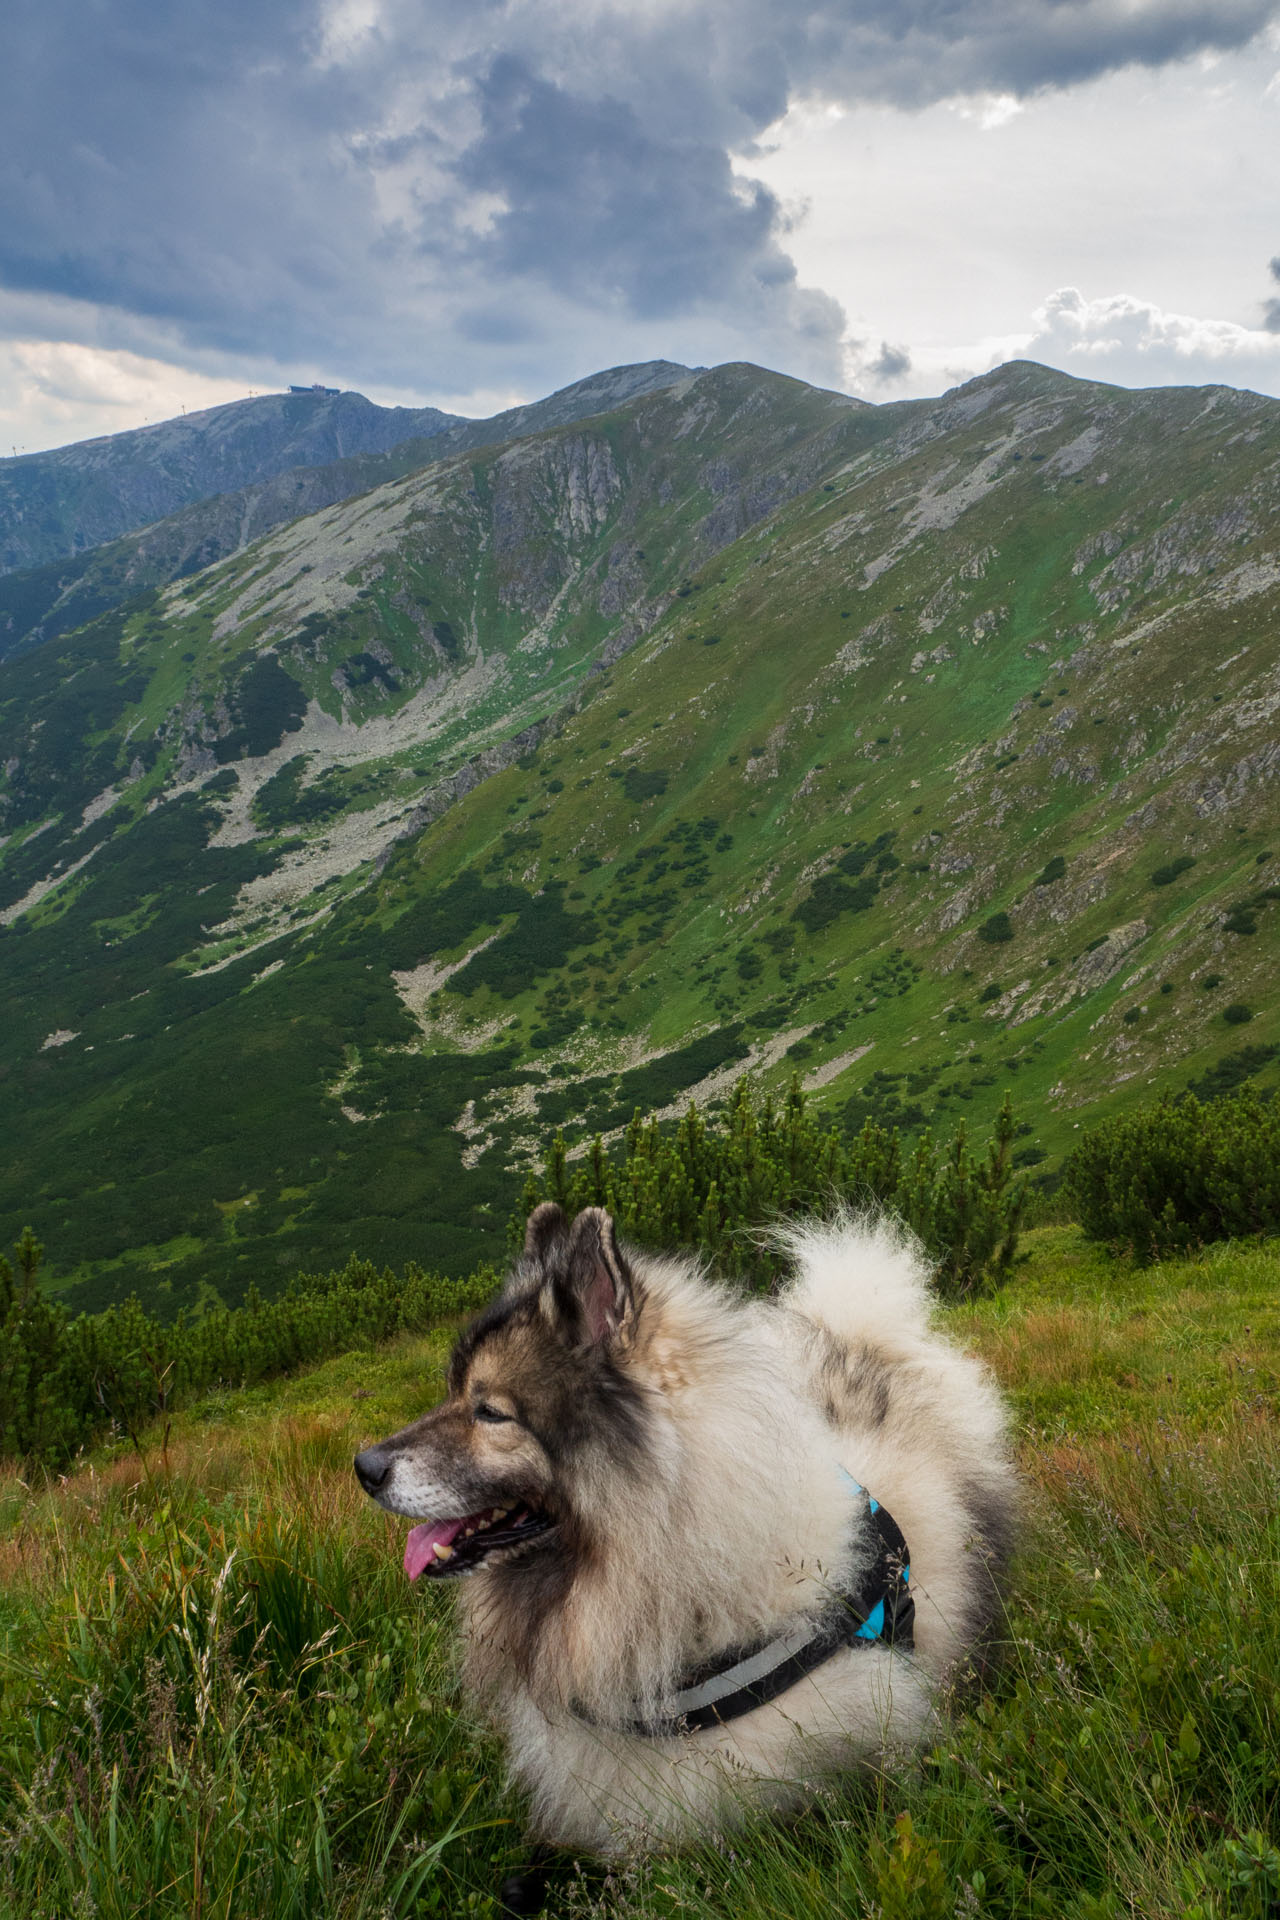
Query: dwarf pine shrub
[(715, 1188), (1180, 1174), (64, 1381)]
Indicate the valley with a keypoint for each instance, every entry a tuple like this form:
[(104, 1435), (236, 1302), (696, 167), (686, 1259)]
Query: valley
[(922, 750)]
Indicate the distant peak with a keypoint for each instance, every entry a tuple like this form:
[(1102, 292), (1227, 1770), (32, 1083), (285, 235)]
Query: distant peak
[(641, 376)]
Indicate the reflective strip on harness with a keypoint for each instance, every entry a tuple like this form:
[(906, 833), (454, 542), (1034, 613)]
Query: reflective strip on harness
[(736, 1682)]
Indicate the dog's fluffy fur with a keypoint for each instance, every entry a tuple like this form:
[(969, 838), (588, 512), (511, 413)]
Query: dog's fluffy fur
[(672, 1452)]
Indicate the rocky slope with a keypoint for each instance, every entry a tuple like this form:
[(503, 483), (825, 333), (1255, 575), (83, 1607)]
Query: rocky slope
[(239, 485), (923, 749)]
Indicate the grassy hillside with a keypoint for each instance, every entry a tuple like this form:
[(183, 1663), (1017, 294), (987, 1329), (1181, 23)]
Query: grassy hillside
[(927, 748), (219, 1695)]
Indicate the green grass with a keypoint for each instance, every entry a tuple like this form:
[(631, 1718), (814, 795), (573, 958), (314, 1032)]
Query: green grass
[(219, 1696)]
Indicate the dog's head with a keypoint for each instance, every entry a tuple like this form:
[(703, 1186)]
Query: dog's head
[(539, 1402)]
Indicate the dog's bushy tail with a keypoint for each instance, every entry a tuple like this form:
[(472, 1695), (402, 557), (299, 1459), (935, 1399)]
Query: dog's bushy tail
[(862, 1276)]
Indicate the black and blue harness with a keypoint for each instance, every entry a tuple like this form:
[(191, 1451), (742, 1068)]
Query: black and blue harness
[(879, 1608)]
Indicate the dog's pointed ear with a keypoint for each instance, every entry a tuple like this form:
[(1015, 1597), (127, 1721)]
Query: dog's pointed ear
[(595, 1291), (547, 1224)]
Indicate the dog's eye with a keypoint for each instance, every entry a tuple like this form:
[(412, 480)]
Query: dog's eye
[(491, 1414)]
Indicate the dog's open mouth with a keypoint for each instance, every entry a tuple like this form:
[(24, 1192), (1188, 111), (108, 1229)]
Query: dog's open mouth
[(442, 1547)]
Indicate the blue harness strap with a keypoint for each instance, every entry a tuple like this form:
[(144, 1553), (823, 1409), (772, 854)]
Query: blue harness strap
[(892, 1616), (879, 1608)]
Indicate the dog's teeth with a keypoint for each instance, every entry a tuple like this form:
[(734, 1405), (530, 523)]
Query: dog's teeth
[(500, 1513), (442, 1552), (467, 1532)]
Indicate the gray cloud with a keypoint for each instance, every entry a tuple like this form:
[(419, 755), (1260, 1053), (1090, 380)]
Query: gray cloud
[(599, 204), (891, 363), (446, 194), (1271, 307)]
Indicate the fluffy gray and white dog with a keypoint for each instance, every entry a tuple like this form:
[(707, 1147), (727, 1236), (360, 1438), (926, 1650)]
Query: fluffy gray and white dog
[(688, 1598)]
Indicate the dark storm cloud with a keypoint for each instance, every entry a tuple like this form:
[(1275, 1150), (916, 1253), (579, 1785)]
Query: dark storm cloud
[(172, 168), (407, 191), (602, 206)]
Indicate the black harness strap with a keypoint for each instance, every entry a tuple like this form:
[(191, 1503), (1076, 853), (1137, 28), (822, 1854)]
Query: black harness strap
[(879, 1608)]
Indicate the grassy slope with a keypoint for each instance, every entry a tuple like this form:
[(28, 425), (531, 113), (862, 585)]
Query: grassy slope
[(1033, 623), (220, 1696), (982, 771)]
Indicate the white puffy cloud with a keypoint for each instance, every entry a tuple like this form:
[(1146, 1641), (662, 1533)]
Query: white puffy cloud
[(1135, 343), (942, 230)]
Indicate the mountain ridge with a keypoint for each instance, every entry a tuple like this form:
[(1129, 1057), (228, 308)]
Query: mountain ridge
[(923, 750), (59, 502), (62, 591)]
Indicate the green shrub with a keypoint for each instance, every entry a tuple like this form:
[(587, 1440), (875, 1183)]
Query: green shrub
[(267, 703), (1166, 875), (283, 800), (541, 940), (1052, 870), (998, 928), (713, 1189), (859, 856), (832, 896), (1180, 1174), (1231, 1071), (65, 1381), (1237, 1013), (639, 785)]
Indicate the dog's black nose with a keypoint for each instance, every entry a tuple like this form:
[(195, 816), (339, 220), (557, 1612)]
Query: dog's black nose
[(372, 1467)]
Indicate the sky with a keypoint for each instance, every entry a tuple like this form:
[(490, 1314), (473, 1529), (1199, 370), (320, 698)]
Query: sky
[(470, 206)]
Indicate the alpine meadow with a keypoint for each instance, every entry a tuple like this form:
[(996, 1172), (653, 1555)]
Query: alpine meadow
[(706, 797)]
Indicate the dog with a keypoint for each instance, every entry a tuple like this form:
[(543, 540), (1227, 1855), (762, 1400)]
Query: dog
[(719, 1548)]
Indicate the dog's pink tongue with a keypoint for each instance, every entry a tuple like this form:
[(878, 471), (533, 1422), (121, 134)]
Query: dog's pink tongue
[(420, 1547)]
